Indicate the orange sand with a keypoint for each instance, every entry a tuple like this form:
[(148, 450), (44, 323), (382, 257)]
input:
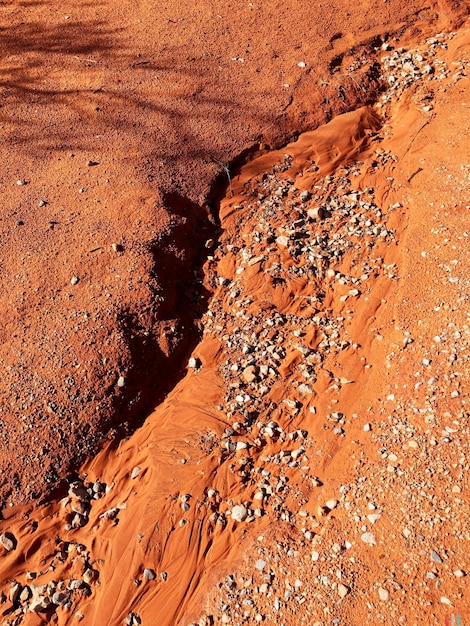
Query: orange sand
[(332, 345)]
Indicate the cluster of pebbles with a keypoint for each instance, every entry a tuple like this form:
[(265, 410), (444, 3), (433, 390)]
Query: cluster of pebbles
[(44, 599), (328, 239), (317, 252), (28, 597)]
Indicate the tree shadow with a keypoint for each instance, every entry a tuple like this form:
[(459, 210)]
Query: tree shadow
[(165, 113)]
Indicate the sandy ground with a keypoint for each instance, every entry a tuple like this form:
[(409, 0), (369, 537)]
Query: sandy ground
[(235, 393)]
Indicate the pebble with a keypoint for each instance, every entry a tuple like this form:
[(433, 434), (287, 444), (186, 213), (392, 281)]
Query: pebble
[(343, 590), (239, 513), (121, 381), (60, 598), (78, 490), (368, 538), (136, 470), (305, 195), (8, 541), (384, 594), (260, 564), (149, 574), (14, 592), (282, 240), (435, 558), (90, 575), (316, 213), (74, 280), (249, 374)]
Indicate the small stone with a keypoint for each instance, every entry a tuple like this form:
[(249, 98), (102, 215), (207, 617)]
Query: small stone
[(384, 594), (459, 573), (194, 363), (149, 574), (302, 64), (435, 558), (367, 428), (239, 513), (445, 600), (282, 240), (21, 183), (76, 584), (14, 592), (60, 598), (110, 513), (78, 490), (368, 538), (25, 594), (249, 374), (164, 576), (305, 195), (121, 381), (98, 487), (74, 280), (116, 247), (260, 564), (39, 604), (316, 213), (81, 507), (92, 163), (8, 541), (331, 504), (343, 590), (90, 575), (135, 472)]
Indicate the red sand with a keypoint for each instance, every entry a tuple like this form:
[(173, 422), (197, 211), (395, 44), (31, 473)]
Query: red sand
[(124, 124)]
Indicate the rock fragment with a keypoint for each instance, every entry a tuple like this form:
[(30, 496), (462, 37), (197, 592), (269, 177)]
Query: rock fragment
[(368, 538), (239, 513), (149, 573), (343, 590), (8, 541), (384, 594)]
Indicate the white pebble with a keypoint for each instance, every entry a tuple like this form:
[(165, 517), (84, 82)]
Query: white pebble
[(368, 538), (384, 594)]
